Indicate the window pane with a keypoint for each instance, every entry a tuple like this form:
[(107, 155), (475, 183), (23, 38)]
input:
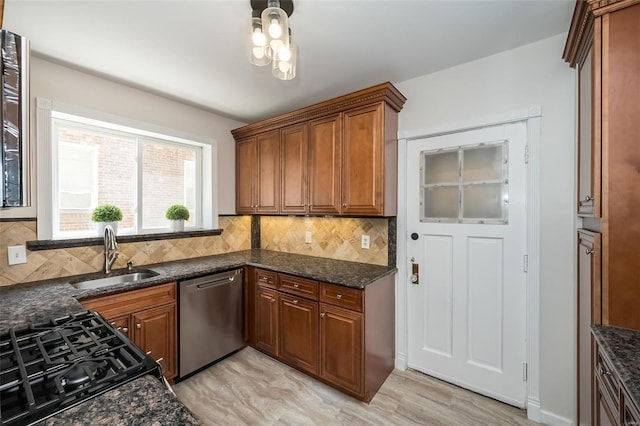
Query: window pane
[(482, 201), (94, 168), (440, 203), (168, 177), (440, 167), (482, 164)]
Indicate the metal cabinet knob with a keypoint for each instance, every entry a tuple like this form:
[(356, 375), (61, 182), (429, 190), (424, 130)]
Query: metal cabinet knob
[(588, 251), (138, 325), (296, 285), (321, 314), (588, 198), (273, 300), (414, 278), (125, 329), (344, 204), (295, 302), (338, 296)]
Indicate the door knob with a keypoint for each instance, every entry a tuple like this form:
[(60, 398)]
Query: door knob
[(414, 236), (414, 278)]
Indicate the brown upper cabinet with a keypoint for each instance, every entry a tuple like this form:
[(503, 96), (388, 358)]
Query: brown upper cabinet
[(337, 157), (257, 174), (603, 46)]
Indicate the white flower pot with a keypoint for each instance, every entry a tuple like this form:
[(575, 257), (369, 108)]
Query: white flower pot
[(101, 226), (177, 225)]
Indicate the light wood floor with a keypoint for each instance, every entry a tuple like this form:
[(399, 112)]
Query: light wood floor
[(251, 388)]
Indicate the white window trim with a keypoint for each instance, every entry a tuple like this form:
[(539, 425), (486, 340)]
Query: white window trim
[(45, 110)]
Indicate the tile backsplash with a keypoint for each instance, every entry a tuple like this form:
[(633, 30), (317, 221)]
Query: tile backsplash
[(334, 238), (45, 264)]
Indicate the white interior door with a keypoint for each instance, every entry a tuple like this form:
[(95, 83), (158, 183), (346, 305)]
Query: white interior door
[(466, 220)]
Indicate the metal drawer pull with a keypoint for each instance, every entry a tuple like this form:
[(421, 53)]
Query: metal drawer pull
[(125, 329), (159, 360), (295, 302), (588, 251), (296, 285), (338, 296), (148, 352)]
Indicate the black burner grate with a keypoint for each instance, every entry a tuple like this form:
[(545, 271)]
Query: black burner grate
[(53, 366)]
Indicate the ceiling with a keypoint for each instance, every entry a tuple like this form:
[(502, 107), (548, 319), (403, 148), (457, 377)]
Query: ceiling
[(195, 51)]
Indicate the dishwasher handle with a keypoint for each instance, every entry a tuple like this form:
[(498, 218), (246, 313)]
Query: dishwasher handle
[(208, 282)]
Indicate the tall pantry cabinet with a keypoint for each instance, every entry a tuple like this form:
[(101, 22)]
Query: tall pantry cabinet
[(604, 47)]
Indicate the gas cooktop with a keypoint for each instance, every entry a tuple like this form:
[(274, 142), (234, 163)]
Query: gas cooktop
[(53, 366)]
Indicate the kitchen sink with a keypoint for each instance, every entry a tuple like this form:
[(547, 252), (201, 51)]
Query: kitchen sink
[(126, 277)]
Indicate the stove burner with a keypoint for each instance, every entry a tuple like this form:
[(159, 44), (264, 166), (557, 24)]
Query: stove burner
[(80, 374)]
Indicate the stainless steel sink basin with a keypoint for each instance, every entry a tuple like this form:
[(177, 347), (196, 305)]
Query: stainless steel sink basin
[(129, 277)]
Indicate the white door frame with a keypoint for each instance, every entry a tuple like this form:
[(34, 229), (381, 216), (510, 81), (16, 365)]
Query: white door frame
[(532, 117)]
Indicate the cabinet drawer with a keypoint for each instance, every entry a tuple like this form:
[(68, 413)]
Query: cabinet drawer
[(610, 387), (132, 301), (298, 286), (345, 297), (266, 278)]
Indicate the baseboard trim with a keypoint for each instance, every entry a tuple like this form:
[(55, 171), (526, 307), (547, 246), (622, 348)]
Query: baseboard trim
[(533, 409), (549, 418), (401, 361)]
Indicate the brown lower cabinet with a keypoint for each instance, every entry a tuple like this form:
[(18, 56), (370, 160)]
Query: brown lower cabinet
[(324, 330), (147, 317), (611, 403)]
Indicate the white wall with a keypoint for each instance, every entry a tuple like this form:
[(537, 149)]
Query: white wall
[(513, 81), (59, 83)]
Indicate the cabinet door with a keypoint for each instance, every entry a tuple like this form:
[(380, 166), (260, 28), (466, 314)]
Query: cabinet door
[(363, 161), (155, 332), (588, 138), (341, 348), (293, 160), (245, 176), (299, 332), (325, 159), (122, 323), (267, 320), (588, 313), (268, 177)]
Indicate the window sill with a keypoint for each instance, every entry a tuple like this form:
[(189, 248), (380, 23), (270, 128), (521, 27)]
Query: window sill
[(98, 241)]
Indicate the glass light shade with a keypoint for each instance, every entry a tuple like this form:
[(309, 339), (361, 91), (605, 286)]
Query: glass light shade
[(284, 61), (276, 26), (258, 50)]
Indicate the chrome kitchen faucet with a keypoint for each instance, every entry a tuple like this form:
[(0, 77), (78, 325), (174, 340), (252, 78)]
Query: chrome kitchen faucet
[(110, 248)]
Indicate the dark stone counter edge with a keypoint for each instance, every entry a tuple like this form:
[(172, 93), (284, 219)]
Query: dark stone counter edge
[(98, 241), (620, 369)]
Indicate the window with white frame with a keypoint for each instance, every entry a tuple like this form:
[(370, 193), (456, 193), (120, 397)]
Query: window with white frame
[(142, 172)]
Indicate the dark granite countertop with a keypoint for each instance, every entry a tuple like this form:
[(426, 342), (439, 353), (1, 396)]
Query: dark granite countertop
[(622, 346), (141, 402), (144, 401)]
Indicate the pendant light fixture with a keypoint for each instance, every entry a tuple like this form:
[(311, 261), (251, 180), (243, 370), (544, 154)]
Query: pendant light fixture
[(284, 61), (270, 37)]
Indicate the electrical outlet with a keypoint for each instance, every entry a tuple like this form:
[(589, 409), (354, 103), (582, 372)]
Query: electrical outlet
[(365, 242), (17, 255), (307, 237)]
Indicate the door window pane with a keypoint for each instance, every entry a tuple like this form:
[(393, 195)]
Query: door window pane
[(440, 167), (482, 201), (440, 203), (482, 164)]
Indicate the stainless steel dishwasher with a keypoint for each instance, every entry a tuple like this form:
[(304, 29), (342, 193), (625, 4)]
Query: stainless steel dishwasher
[(211, 319)]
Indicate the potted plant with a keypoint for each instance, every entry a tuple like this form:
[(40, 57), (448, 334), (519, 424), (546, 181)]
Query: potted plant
[(107, 214), (177, 215)]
